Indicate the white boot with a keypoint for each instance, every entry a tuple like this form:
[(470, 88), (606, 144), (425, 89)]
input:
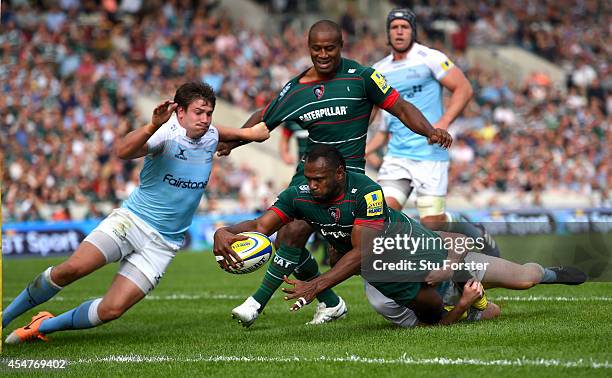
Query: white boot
[(326, 315), (247, 312)]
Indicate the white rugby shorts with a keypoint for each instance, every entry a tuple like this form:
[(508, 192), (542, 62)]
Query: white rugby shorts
[(428, 177), (139, 244)]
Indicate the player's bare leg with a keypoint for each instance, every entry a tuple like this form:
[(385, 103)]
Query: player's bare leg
[(393, 203), (434, 222), (122, 295), (86, 259), (510, 275)]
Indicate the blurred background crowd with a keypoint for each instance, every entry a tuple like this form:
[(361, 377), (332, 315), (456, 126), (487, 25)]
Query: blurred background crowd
[(71, 71)]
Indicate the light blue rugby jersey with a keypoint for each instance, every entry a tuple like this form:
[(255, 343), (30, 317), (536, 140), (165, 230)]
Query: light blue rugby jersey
[(172, 181), (416, 78)]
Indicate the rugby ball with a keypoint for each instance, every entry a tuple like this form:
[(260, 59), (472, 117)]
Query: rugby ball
[(254, 252)]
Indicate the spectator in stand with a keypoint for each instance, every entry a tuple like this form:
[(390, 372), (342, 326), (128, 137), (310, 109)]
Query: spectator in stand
[(76, 69)]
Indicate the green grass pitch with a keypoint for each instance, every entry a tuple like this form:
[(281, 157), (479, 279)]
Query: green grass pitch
[(184, 329)]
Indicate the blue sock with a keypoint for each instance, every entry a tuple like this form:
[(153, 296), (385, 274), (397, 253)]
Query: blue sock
[(40, 290), (549, 276), (79, 317)]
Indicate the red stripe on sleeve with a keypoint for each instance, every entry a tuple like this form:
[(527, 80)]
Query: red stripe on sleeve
[(377, 224), (286, 132), (390, 100), (284, 218), (263, 112)]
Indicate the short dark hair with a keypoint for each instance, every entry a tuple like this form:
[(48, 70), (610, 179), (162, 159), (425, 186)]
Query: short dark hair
[(332, 156), (192, 91), (325, 25)]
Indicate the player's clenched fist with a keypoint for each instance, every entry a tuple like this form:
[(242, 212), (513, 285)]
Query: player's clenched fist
[(472, 291), (441, 137), (259, 132)]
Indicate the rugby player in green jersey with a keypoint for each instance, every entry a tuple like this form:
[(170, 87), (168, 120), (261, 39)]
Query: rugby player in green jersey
[(350, 210), (332, 100)]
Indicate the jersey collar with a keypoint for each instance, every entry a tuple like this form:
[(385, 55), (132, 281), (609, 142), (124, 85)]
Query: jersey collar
[(339, 69), (410, 52)]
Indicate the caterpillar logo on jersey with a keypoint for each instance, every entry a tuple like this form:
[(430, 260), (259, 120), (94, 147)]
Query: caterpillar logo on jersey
[(447, 65), (374, 202), (379, 79), (182, 183), (325, 112), (319, 91)]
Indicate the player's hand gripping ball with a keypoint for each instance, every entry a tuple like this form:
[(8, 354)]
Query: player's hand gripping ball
[(254, 251)]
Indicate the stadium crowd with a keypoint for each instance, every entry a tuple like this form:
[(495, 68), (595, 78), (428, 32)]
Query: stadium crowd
[(71, 72)]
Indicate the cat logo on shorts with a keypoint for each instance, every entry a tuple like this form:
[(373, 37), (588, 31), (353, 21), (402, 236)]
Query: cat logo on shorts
[(379, 79), (374, 202)]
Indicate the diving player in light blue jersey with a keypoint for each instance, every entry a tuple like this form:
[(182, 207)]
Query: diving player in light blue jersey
[(420, 74), (147, 231)]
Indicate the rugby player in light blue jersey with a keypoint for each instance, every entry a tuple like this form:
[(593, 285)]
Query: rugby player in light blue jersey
[(420, 73), (147, 231)]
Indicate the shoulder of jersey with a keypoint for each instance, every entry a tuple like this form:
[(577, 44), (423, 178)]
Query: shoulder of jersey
[(423, 51), (358, 181), (172, 127), (383, 62), (351, 67), (290, 85)]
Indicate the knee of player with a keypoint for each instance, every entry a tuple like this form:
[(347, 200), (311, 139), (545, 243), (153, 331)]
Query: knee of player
[(433, 222), (67, 272), (532, 275), (492, 311), (110, 311), (295, 234), (525, 284)]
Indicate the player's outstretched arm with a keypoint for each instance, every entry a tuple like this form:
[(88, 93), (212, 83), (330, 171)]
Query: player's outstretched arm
[(413, 119), (348, 265), (134, 144), (224, 237), (224, 148), (257, 133)]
